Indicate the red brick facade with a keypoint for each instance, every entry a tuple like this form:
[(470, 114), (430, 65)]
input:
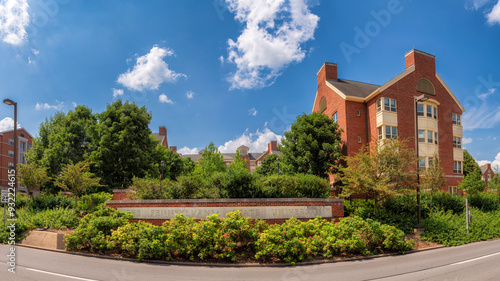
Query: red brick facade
[(487, 173), (358, 116), (7, 149)]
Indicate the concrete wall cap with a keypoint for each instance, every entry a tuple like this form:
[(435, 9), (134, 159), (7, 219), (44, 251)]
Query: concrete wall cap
[(232, 200)]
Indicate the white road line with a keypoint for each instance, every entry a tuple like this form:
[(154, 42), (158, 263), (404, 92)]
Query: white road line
[(62, 275), (471, 260)]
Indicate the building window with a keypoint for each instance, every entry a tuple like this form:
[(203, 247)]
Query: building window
[(420, 110), (431, 160), (457, 142), (452, 189), (429, 136), (359, 139), (421, 162), (335, 117), (429, 111), (358, 113), (421, 135), (322, 105), (391, 132), (380, 133), (252, 164), (259, 163), (227, 164), (435, 138), (456, 119), (435, 112), (11, 154), (11, 141), (11, 165), (389, 104), (457, 167)]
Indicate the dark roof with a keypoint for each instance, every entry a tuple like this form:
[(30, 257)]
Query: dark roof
[(353, 88), (159, 137)]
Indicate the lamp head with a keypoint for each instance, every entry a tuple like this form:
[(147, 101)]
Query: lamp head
[(277, 160), (162, 163), (423, 97), (9, 102)]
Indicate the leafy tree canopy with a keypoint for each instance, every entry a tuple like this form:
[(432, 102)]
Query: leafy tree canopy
[(312, 146), (470, 165), (268, 166), (32, 175), (472, 183), (211, 162)]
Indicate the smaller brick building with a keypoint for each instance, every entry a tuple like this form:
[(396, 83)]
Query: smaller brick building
[(24, 139), (253, 160), (487, 173)]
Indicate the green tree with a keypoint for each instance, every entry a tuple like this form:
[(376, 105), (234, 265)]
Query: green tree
[(63, 139), (125, 147), (77, 179), (238, 162), (472, 183), (268, 166), (494, 183), (312, 146), (470, 165), (32, 175), (173, 163), (433, 177), (211, 162), (380, 170), (188, 166)]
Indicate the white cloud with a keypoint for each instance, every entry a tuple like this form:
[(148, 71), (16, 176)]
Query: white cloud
[(149, 71), (467, 140), (485, 95), (117, 92), (7, 124), (483, 116), (35, 52), (271, 40), (186, 150), (494, 16), (74, 104), (221, 59), (14, 19), (494, 164), (257, 142), (252, 111), (476, 4), (164, 99), (190, 94), (58, 106)]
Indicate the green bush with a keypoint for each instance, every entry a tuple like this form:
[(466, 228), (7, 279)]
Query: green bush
[(94, 230), (239, 183), (294, 186), (186, 187), (445, 201), (350, 206), (89, 203), (47, 202), (149, 188), (449, 229), (485, 201)]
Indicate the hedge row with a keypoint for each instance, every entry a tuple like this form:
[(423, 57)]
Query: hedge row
[(214, 238)]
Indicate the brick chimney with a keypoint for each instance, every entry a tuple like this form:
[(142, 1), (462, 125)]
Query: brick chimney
[(273, 145), (422, 61), (327, 71), (488, 166), (173, 148), (163, 132)]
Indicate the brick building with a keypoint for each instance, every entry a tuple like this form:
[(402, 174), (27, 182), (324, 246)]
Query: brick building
[(253, 160), (7, 152), (487, 173), (369, 112)]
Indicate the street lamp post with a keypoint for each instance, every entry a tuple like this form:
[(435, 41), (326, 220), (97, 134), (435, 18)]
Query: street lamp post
[(278, 162), (11, 102), (418, 99)]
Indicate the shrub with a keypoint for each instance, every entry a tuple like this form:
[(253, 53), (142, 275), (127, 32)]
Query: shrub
[(89, 203), (294, 186), (445, 201), (58, 218), (148, 188), (186, 187), (94, 230), (350, 206), (485, 201), (239, 183), (47, 202)]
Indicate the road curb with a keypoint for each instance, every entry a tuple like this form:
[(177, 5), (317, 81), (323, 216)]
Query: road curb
[(209, 264)]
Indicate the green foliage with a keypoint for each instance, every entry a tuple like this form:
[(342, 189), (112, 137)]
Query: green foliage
[(238, 163), (47, 202), (312, 146), (58, 218), (295, 241), (380, 171), (94, 230), (350, 206), (239, 183), (32, 175), (148, 188), (268, 166), (125, 147), (294, 186), (449, 229), (485, 201), (446, 201), (472, 183), (433, 177), (470, 165), (173, 163), (211, 162), (494, 183), (90, 203), (64, 139)]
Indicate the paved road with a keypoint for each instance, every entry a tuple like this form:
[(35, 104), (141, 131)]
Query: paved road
[(477, 261)]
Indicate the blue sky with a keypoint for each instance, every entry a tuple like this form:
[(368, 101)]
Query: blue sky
[(239, 72)]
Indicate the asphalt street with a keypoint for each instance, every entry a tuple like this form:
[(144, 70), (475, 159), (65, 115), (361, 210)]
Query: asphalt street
[(477, 261)]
